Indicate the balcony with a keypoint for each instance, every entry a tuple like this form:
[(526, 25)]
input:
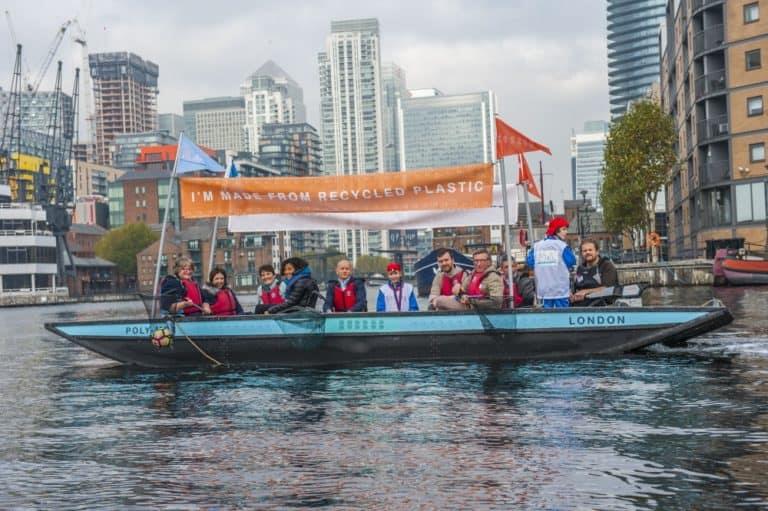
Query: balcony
[(708, 39), (697, 5), (712, 128), (714, 172), (710, 83)]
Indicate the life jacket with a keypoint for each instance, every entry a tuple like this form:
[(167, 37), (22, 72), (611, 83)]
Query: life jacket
[(474, 288), (446, 289), (271, 295), (518, 298), (346, 299), (588, 277), (552, 275), (225, 304), (194, 294)]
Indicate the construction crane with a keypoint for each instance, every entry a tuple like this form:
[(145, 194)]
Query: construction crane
[(87, 104), (26, 71), (49, 57)]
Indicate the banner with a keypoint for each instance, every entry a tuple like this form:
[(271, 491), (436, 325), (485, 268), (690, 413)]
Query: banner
[(450, 188), (493, 215)]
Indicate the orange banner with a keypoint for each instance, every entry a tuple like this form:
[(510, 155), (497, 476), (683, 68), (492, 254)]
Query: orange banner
[(464, 187)]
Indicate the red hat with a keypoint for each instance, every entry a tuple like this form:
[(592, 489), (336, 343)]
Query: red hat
[(394, 266), (556, 224)]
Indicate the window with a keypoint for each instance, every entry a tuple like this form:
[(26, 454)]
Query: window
[(753, 59), (750, 202), (756, 152), (751, 13), (754, 106)]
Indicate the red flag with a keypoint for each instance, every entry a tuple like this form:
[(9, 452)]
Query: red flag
[(509, 141), (524, 176)]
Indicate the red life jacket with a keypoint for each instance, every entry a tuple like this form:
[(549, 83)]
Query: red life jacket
[(194, 294), (473, 289), (518, 297), (271, 296), (225, 303), (344, 300), (446, 289)]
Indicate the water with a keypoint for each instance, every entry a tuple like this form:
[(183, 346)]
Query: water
[(667, 429)]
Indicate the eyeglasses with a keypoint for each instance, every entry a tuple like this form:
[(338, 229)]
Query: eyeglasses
[(479, 259)]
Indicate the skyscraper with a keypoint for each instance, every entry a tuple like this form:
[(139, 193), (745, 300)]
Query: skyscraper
[(217, 123), (587, 150), (633, 50), (393, 89), (125, 96), (270, 96), (351, 113)]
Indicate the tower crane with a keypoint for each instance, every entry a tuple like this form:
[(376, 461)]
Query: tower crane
[(87, 104), (49, 57), (26, 71)]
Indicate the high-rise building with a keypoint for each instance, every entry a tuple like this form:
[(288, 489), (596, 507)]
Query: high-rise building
[(217, 123), (271, 96), (446, 130), (94, 179), (587, 150), (126, 147), (393, 89), (714, 84), (351, 114), (125, 97), (633, 50), (172, 123)]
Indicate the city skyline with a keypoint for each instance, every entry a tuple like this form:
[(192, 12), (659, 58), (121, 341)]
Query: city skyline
[(549, 75)]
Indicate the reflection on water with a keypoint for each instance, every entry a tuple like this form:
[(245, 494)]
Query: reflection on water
[(668, 429)]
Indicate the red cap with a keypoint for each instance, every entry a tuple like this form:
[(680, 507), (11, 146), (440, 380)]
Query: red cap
[(556, 224), (394, 266)]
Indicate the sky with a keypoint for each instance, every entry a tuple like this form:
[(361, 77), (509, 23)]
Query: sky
[(546, 60)]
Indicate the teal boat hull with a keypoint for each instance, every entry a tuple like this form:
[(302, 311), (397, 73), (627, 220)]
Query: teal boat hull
[(314, 339)]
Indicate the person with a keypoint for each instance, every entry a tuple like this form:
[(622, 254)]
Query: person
[(180, 294), (396, 295), (480, 289), (224, 302), (595, 273), (271, 290), (525, 289), (300, 288), (551, 260), (448, 276), (347, 294)]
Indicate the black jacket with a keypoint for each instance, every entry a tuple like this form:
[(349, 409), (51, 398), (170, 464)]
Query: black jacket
[(303, 293), (173, 291)]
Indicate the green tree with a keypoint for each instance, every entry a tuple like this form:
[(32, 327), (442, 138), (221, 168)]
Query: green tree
[(367, 264), (639, 155), (122, 244)]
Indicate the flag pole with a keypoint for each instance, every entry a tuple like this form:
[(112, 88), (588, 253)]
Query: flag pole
[(162, 229), (212, 254), (508, 244)]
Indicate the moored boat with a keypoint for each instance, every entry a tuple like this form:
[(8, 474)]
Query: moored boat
[(309, 338), (739, 271)]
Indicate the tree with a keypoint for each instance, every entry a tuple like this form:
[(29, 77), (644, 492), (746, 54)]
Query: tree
[(122, 244), (639, 156), (367, 264)]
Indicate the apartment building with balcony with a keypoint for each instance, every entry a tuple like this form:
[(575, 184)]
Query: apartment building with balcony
[(714, 82)]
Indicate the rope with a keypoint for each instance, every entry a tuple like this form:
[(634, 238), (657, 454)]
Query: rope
[(216, 363)]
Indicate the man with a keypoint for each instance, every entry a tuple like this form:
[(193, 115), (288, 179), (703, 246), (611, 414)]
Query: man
[(594, 274), (347, 294), (396, 295), (551, 260), (525, 289), (448, 276), (480, 289)]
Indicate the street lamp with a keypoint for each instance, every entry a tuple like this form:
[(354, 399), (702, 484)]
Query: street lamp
[(583, 215)]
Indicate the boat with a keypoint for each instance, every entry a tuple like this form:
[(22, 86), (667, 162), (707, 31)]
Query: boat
[(310, 338), (376, 280), (731, 267)]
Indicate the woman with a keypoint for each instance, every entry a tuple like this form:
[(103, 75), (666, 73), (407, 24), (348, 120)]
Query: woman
[(180, 294), (225, 302), (300, 288)]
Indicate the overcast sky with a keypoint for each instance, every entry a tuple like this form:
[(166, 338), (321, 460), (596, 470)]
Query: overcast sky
[(545, 59)]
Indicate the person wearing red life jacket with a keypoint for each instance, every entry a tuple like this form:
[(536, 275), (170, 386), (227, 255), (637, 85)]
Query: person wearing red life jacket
[(448, 276), (347, 294), (180, 294), (225, 302), (271, 290)]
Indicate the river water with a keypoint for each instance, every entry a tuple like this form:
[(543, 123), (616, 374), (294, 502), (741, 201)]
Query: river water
[(665, 429)]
